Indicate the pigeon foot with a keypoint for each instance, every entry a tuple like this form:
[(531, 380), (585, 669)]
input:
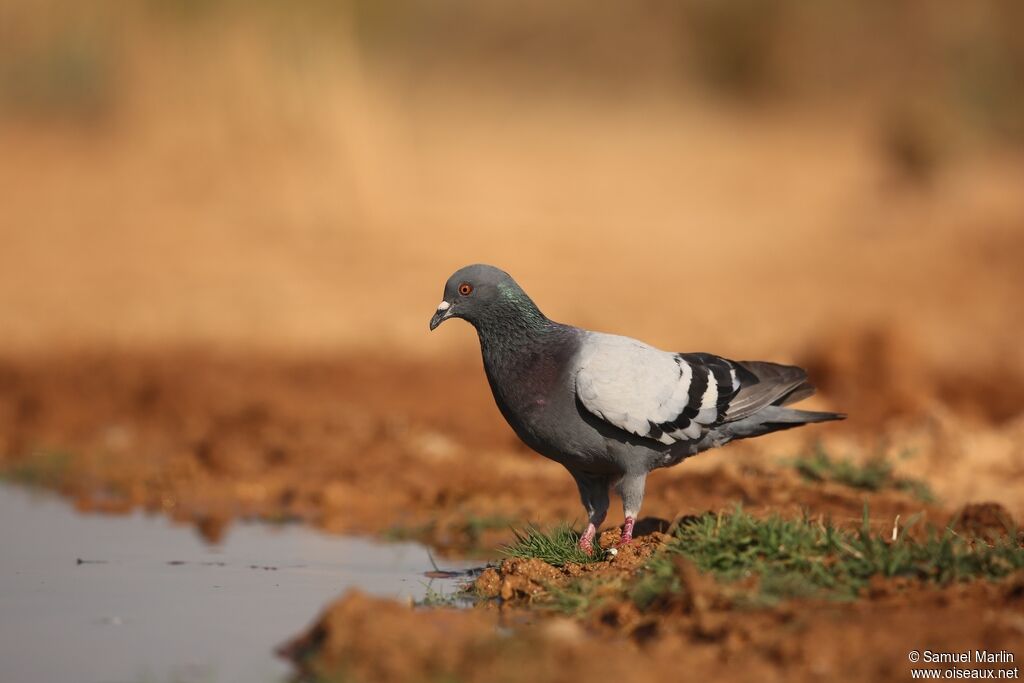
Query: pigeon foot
[(587, 539), (627, 532)]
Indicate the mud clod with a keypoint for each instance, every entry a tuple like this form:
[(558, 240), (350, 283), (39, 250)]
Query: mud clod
[(987, 520)]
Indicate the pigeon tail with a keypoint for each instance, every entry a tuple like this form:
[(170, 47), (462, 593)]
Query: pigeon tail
[(766, 384), (797, 393), (775, 418)]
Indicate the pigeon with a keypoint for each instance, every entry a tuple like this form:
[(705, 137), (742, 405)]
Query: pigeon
[(609, 408)]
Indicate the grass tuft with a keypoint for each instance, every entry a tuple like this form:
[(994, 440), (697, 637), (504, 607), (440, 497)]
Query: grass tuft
[(557, 547)]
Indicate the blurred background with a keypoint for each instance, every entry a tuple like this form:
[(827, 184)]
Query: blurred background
[(223, 222)]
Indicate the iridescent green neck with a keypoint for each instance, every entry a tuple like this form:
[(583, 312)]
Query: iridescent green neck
[(512, 319)]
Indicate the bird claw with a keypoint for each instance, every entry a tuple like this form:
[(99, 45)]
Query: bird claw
[(627, 532), (587, 539)]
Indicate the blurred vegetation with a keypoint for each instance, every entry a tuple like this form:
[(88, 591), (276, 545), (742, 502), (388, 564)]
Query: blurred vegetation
[(68, 58), (69, 72), (466, 531), (876, 474), (45, 469), (436, 598)]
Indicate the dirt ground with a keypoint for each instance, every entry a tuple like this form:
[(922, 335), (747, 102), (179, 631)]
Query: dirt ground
[(372, 639), (219, 258), (365, 446), (358, 446)]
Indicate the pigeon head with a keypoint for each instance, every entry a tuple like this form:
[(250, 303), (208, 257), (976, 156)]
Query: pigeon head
[(483, 295)]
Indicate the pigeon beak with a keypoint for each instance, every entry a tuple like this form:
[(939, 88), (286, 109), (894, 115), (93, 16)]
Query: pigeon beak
[(444, 311)]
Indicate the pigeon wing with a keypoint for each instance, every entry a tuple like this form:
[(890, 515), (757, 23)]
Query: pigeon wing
[(667, 397), (764, 384)]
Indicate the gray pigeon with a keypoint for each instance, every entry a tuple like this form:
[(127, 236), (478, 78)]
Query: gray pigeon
[(609, 408)]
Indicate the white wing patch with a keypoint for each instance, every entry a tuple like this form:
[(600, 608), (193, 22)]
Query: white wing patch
[(709, 402), (644, 391), (628, 383)]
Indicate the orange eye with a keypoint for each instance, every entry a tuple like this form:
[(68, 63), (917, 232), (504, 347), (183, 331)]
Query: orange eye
[(465, 289)]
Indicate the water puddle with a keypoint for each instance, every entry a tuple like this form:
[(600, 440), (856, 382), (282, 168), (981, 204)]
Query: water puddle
[(133, 599)]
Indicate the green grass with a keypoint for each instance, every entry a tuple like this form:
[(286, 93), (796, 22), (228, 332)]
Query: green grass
[(801, 557), (467, 533), (577, 598), (557, 547), (280, 518), (779, 558), (436, 598), (70, 74), (476, 525), (401, 532), (46, 469), (874, 475)]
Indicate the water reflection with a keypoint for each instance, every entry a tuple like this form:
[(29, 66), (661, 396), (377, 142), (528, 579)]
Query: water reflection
[(102, 599)]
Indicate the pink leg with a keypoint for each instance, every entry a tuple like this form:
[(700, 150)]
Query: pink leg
[(587, 539), (627, 531)]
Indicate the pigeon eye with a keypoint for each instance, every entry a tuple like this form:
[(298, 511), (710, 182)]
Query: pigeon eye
[(465, 289)]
